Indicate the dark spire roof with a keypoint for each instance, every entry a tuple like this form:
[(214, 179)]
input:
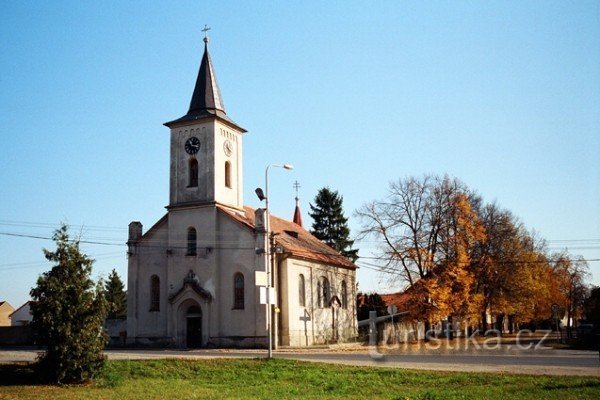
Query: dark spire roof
[(206, 99), (297, 214), (207, 95)]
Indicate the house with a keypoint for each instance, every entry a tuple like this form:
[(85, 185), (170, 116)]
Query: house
[(5, 310), (22, 315), (192, 277)]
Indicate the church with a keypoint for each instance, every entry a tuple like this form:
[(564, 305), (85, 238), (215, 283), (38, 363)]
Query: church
[(195, 277)]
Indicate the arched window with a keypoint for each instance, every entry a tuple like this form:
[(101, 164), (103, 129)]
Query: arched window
[(191, 242), (193, 169), (324, 292), (154, 293), (238, 291), (344, 294), (227, 174), (301, 291)]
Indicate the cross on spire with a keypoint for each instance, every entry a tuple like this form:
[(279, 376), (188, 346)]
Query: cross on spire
[(297, 213), (296, 186), (205, 30)]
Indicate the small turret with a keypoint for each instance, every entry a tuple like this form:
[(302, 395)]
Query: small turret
[(297, 213)]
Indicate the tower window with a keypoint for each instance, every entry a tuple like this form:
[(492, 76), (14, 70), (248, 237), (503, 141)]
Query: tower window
[(191, 242), (154, 293), (193, 170), (238, 291), (301, 291), (227, 174)]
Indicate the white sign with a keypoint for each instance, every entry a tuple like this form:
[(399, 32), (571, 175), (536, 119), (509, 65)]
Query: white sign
[(260, 278), (268, 295), (392, 309)]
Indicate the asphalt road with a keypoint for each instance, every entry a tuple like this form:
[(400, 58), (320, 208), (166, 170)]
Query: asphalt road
[(507, 360)]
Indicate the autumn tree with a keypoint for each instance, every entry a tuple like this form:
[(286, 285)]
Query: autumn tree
[(427, 228), (571, 273), (68, 311), (511, 270), (329, 223), (116, 297), (460, 257), (463, 232)]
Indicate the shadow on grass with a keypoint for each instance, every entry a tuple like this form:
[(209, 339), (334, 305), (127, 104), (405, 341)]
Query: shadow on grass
[(18, 375), (587, 383)]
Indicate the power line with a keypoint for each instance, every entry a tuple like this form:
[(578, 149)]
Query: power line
[(26, 224), (218, 245), (49, 238)]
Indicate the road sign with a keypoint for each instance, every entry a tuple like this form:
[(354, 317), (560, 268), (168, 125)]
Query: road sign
[(260, 278), (268, 295)]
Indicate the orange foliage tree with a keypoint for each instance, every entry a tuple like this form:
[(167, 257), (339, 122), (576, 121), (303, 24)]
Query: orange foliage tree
[(457, 257)]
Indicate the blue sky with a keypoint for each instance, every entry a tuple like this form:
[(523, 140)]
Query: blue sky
[(503, 95)]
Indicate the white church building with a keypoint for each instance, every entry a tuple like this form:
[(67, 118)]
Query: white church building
[(191, 276)]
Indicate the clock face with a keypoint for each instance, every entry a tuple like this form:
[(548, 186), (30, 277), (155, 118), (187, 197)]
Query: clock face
[(227, 148), (192, 145)]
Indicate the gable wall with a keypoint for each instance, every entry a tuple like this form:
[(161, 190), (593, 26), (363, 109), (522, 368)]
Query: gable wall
[(302, 326)]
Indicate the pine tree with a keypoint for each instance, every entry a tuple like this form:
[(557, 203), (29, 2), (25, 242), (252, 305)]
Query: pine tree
[(68, 314), (330, 225), (116, 297)]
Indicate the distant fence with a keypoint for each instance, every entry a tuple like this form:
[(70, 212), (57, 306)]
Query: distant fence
[(23, 335), (116, 329), (388, 332), (16, 335)]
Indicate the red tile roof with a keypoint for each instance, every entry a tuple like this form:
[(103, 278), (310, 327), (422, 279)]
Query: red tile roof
[(399, 299), (294, 239)]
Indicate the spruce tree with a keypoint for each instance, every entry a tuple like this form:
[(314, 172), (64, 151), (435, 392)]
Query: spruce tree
[(329, 223), (116, 297), (68, 311)]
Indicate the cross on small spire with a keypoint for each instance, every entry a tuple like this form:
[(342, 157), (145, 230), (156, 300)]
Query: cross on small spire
[(297, 213), (296, 186), (205, 30)]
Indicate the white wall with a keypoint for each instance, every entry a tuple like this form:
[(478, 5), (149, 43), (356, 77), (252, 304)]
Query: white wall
[(311, 324)]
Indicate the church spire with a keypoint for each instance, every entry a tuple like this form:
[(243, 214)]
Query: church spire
[(206, 98), (207, 95), (297, 213)]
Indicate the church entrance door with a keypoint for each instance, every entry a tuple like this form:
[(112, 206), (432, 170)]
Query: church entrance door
[(194, 327)]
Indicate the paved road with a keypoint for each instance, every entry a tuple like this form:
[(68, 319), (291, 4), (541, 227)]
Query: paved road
[(538, 362)]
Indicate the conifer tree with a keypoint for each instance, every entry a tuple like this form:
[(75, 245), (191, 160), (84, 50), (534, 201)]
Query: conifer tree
[(329, 223), (68, 314), (116, 297)]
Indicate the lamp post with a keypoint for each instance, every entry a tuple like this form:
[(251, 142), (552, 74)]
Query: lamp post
[(268, 250)]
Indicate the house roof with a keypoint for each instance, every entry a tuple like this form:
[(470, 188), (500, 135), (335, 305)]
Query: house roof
[(206, 99), (399, 299), (6, 303), (23, 305), (295, 240)]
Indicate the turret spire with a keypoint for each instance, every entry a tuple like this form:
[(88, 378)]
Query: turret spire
[(297, 213)]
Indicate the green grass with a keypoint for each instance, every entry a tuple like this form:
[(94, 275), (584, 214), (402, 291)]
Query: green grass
[(281, 379)]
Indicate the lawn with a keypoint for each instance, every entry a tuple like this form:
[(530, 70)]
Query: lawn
[(281, 379)]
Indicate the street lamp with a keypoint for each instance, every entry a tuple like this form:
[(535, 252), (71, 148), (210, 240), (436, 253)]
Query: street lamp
[(268, 253)]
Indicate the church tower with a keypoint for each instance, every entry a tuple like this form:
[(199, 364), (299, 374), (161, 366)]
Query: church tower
[(206, 148)]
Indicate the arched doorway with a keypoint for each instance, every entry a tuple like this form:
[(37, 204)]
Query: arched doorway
[(193, 319)]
